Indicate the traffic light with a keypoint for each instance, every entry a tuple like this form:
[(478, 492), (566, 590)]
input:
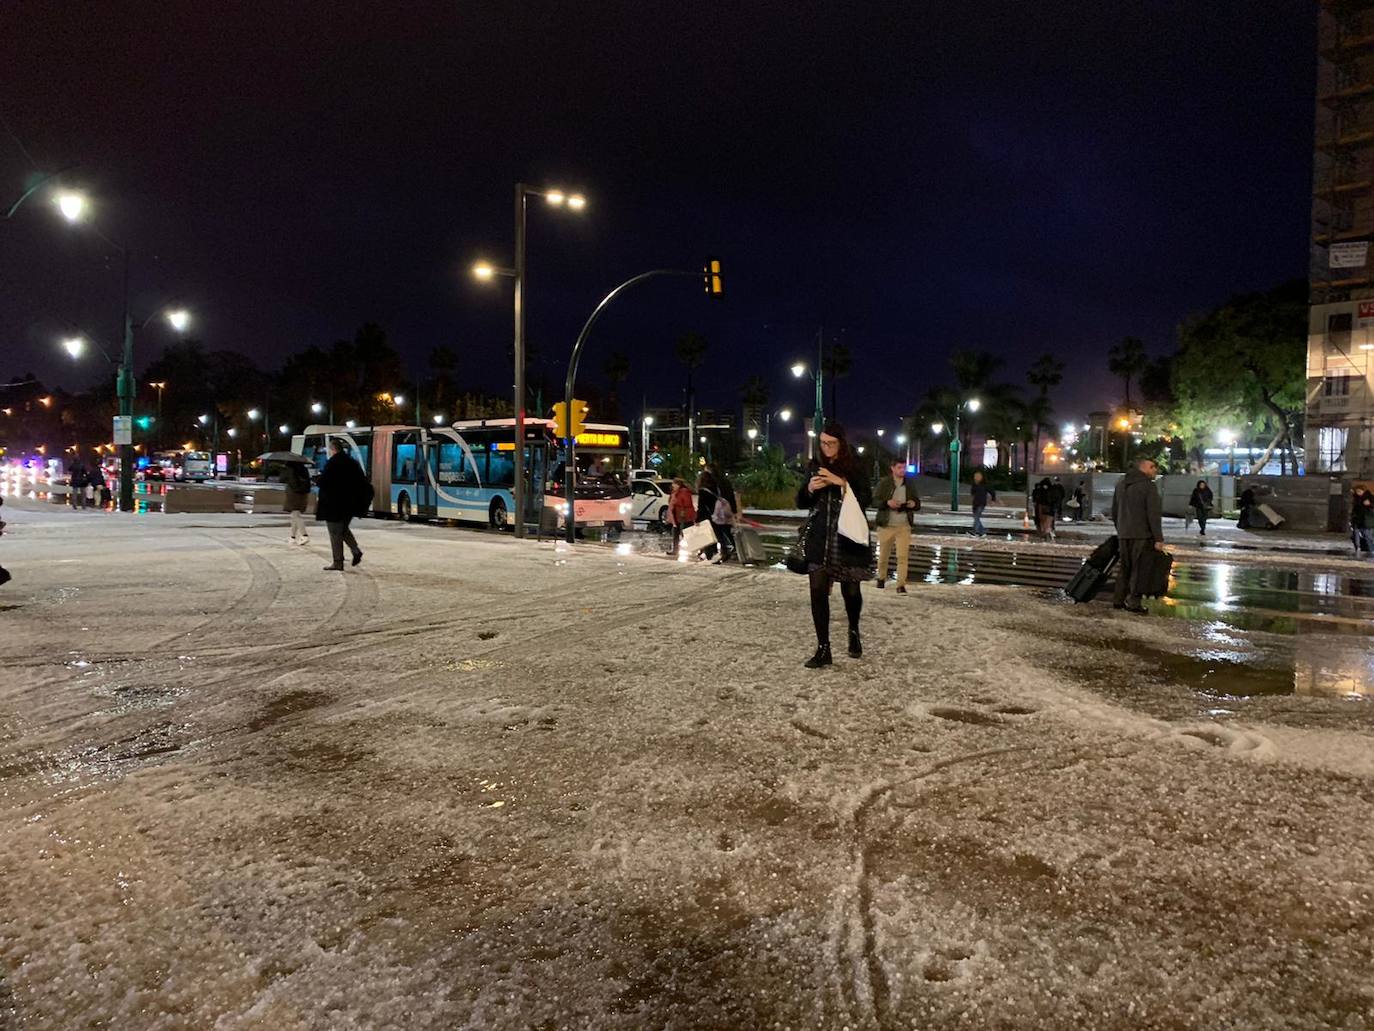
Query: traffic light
[(144, 422), (560, 420), (579, 413), (710, 277)]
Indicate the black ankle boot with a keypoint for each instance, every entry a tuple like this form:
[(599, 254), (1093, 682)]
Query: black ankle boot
[(856, 647), (821, 658)]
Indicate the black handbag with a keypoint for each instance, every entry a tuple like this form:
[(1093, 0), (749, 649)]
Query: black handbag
[(795, 559)]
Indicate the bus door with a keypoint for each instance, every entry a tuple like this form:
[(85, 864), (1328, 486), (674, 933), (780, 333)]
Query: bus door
[(426, 497), (536, 460)]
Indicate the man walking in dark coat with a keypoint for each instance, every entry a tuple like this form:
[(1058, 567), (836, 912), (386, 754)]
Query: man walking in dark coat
[(344, 493), (1138, 514)]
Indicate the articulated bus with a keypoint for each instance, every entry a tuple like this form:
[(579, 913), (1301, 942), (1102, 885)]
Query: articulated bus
[(467, 471)]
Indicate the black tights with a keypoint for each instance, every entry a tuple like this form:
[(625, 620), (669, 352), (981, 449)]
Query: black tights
[(820, 604)]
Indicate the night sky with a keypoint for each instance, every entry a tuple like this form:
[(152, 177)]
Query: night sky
[(1017, 177)]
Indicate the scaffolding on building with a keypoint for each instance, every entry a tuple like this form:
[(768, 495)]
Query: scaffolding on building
[(1340, 390)]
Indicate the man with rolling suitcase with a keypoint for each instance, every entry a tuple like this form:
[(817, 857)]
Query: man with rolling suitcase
[(1138, 514)]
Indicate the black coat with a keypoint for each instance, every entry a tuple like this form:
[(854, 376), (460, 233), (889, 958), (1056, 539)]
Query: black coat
[(344, 491), (1201, 499), (822, 535)]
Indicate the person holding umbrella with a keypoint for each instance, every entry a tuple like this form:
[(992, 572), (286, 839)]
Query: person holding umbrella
[(295, 479)]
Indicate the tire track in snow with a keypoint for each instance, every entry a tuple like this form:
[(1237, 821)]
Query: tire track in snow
[(864, 992)]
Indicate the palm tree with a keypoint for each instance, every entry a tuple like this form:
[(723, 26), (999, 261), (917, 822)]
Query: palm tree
[(616, 368), (973, 370), (691, 352), (838, 362), (1046, 372), (1127, 360)]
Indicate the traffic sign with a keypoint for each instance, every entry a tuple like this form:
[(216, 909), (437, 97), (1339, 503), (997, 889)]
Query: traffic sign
[(123, 429)]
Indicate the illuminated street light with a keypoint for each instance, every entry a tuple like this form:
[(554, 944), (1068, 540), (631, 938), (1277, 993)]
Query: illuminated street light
[(901, 438), (881, 431), (438, 420), (232, 432), (74, 346), (785, 414), (253, 414), (799, 369), (937, 427), (398, 400), (72, 205), (179, 319), (316, 408), (283, 429), (751, 433), (202, 419), (973, 404), (486, 271), (350, 424)]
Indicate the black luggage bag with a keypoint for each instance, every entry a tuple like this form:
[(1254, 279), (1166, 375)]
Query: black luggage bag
[(749, 547), (1153, 576), (1088, 581)]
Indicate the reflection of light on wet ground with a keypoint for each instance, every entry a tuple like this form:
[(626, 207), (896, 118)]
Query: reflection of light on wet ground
[(1333, 667)]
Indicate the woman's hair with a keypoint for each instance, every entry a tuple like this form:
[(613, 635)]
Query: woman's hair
[(1201, 483), (706, 480), (678, 481), (843, 462), (336, 444)]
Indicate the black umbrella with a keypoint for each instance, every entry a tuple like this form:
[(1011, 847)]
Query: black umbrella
[(283, 456)]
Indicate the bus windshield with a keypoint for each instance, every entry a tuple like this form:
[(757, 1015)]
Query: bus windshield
[(603, 468)]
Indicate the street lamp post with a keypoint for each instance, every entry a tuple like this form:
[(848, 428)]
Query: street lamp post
[(644, 423), (159, 386), (799, 370), (485, 271)]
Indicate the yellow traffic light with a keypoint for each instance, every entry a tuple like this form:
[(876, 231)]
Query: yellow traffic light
[(711, 279), (579, 413), (560, 420)]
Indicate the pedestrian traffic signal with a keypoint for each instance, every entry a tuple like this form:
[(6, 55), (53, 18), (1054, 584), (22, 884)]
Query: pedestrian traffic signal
[(710, 277)]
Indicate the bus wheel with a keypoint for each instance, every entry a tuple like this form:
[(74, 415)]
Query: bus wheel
[(498, 520), (403, 508)]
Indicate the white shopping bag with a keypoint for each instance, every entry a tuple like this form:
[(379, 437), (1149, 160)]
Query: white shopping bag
[(853, 523), (698, 536)]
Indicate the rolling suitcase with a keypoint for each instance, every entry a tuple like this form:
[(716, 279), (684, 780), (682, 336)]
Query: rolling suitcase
[(1088, 581), (1153, 577), (749, 547)]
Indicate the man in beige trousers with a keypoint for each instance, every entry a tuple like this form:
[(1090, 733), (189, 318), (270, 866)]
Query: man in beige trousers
[(896, 501)]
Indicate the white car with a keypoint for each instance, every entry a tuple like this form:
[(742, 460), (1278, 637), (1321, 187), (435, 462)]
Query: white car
[(649, 501)]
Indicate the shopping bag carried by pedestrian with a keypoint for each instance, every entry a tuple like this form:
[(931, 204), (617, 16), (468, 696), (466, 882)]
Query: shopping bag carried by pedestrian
[(1152, 578), (722, 514), (853, 523), (697, 537)]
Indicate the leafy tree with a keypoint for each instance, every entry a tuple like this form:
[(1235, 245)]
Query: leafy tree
[(443, 366), (1244, 364), (1127, 360)]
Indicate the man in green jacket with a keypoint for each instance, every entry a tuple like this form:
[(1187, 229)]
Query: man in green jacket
[(896, 501)]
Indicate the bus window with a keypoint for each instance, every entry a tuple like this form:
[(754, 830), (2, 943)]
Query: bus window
[(454, 466), (501, 469), (405, 463)]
